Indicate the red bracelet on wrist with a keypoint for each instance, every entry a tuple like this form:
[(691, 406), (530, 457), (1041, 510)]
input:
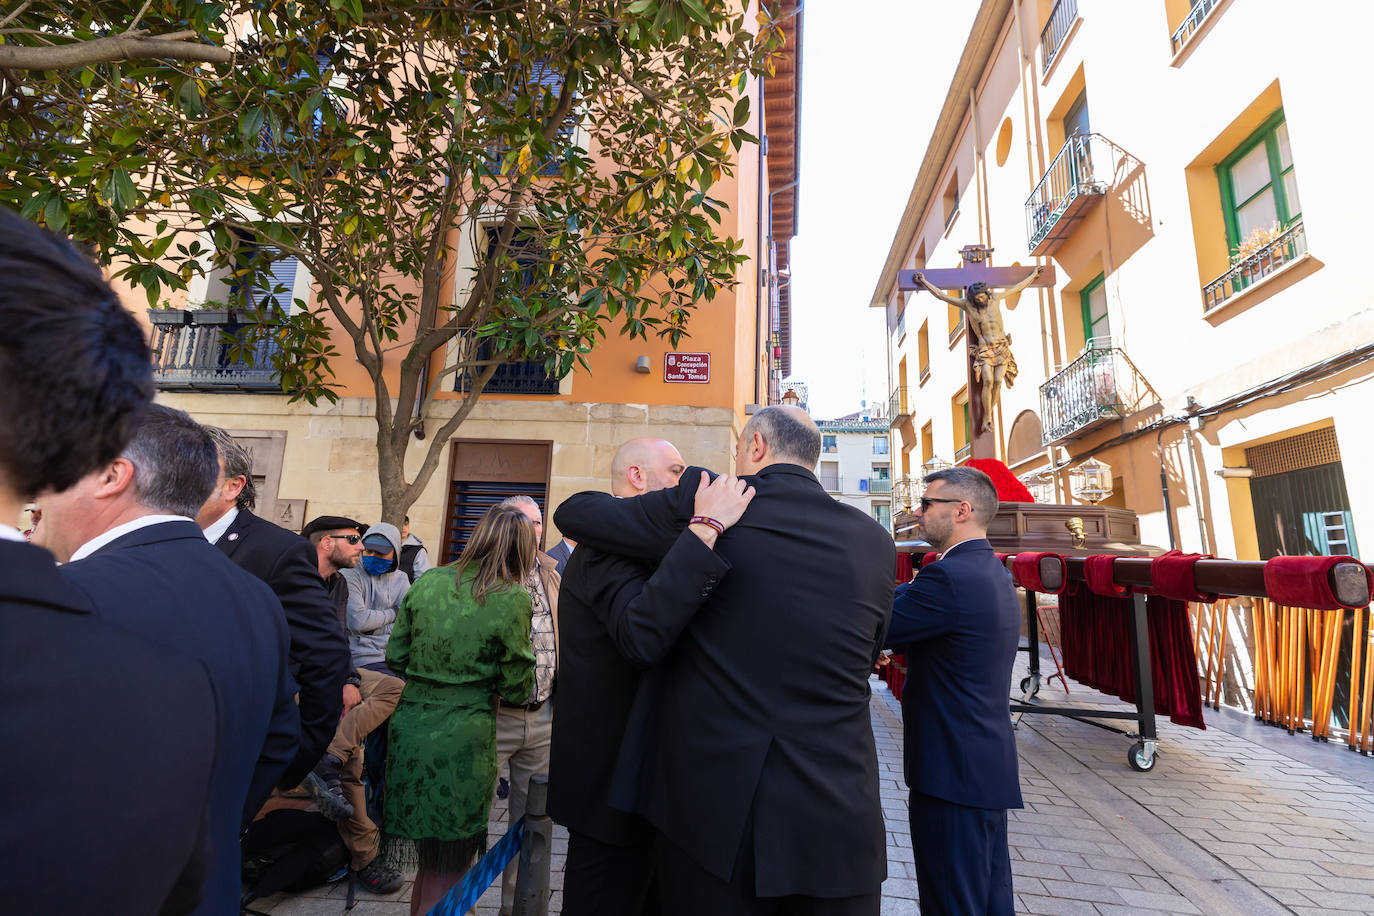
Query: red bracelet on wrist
[(708, 522)]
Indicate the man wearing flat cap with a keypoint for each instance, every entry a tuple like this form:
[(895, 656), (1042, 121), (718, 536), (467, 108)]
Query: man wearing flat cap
[(336, 783)]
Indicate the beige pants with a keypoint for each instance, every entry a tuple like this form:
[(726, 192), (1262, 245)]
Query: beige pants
[(523, 739), (380, 693)]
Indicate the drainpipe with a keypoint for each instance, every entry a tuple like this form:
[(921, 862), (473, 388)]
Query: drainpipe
[(1195, 423), (774, 305), (1164, 491), (979, 171), (774, 308), (761, 286)]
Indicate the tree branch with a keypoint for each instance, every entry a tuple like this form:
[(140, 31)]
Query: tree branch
[(128, 46), (12, 16)]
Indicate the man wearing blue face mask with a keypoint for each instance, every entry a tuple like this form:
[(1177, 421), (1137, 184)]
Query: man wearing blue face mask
[(375, 589)]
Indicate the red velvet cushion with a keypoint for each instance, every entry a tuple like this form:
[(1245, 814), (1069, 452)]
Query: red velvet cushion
[(1009, 489), (1173, 576), (1305, 582), (1097, 570), (1025, 571)]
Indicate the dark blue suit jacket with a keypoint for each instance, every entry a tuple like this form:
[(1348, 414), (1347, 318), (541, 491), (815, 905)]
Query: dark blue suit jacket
[(109, 744), (959, 623), (171, 585)]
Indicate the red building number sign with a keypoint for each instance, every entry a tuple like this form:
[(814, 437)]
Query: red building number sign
[(687, 367)]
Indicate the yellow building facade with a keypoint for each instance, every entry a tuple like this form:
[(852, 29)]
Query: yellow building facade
[(529, 434), (1191, 171)]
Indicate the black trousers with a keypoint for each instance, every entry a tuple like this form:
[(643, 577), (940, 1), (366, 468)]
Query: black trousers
[(600, 879), (687, 889), (963, 867)]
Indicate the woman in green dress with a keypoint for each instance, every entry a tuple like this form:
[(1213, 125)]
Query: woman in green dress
[(462, 637)]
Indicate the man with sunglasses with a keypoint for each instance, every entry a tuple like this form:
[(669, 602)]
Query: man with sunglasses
[(369, 698), (959, 622)]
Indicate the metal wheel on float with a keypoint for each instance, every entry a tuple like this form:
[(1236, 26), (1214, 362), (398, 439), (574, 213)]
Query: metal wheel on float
[(1030, 686), (1139, 760)]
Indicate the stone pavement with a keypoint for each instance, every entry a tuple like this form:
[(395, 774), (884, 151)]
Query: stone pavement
[(1237, 819)]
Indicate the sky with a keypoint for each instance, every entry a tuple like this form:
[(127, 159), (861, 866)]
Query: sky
[(874, 76)]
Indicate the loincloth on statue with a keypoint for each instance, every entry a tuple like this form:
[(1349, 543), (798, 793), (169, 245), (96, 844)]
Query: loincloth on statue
[(992, 355)]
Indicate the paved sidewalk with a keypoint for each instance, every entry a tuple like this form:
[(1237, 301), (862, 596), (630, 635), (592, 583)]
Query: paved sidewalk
[(1237, 819)]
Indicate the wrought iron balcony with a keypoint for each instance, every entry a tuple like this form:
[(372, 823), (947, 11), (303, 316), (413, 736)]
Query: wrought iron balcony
[(900, 406), (510, 378), (1289, 246), (1056, 30), (831, 482), (191, 350), (1087, 167), (1100, 385), (879, 485), (1184, 33)]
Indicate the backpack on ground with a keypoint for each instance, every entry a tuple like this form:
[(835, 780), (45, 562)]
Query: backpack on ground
[(291, 850)]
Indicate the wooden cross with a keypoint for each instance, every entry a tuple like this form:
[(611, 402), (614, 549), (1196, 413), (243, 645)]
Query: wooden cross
[(975, 269)]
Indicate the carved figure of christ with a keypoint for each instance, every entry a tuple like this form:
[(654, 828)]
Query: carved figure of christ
[(990, 359)]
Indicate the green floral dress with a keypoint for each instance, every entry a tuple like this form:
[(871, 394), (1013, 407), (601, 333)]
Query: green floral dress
[(456, 656)]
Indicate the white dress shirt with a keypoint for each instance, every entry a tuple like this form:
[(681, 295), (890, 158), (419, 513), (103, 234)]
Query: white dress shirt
[(216, 531), (11, 533), (118, 531)]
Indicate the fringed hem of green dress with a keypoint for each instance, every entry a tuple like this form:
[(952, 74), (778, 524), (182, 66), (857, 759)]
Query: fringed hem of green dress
[(445, 856)]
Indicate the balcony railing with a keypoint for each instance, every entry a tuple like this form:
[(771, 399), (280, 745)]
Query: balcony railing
[(879, 485), (1056, 30), (1087, 167), (1100, 385), (831, 482), (900, 405), (1289, 246), (510, 378), (191, 352), (1184, 33), (515, 378)]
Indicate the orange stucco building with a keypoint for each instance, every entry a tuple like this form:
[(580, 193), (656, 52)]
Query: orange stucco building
[(528, 434)]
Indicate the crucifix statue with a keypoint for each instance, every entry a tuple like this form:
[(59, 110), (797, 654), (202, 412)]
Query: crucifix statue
[(990, 361)]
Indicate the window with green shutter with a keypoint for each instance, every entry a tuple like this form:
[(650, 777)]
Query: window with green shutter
[(1093, 300), (1258, 184)]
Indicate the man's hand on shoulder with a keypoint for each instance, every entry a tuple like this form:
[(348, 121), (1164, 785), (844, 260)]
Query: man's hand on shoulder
[(719, 504)]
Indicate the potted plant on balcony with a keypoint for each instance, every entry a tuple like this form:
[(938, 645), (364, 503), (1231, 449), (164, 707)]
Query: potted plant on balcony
[(1259, 250)]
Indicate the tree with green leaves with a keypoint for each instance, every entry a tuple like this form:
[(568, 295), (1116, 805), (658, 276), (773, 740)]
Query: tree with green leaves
[(567, 149)]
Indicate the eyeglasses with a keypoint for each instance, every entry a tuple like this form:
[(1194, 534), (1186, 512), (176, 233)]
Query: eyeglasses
[(927, 500), (350, 538)]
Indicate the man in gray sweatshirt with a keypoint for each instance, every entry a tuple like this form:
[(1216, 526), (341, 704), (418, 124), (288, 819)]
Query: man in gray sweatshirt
[(375, 589)]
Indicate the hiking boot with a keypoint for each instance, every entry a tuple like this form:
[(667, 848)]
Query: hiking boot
[(379, 879), (323, 783)]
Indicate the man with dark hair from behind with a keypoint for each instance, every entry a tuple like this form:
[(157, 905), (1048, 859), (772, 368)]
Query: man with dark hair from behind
[(959, 624), (287, 562), (132, 549), (81, 826)]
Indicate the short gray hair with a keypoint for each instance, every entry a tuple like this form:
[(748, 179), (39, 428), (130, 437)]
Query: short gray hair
[(174, 459), (237, 463), (789, 438), (970, 484), (520, 499)]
